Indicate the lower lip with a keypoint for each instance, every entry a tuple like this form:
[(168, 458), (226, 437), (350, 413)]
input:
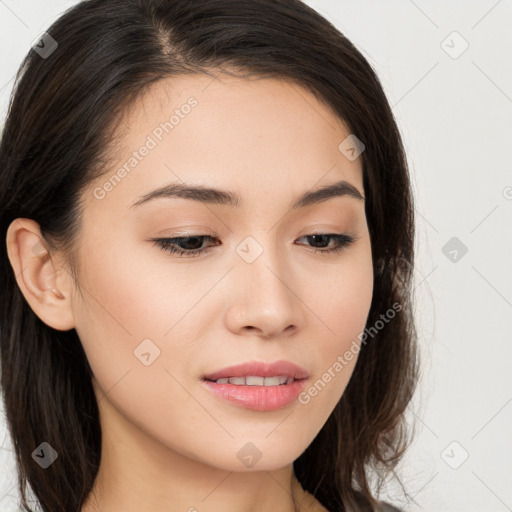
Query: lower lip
[(258, 398)]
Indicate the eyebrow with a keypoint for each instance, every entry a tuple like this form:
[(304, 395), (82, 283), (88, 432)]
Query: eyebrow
[(216, 196)]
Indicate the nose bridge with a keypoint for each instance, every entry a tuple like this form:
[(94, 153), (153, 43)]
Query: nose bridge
[(263, 260), (265, 299)]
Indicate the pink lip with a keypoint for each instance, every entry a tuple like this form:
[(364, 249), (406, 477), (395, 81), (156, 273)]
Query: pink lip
[(258, 398), (283, 368)]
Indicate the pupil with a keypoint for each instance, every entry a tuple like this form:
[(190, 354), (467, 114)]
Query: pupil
[(196, 239), (316, 237)]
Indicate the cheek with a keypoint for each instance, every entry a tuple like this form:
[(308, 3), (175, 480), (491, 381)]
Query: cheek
[(340, 296), (128, 298), (132, 309), (137, 329), (341, 301)]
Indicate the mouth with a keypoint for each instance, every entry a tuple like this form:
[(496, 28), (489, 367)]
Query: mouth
[(253, 371), (258, 386), (255, 380)]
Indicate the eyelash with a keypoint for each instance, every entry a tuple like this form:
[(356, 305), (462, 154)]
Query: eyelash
[(168, 244)]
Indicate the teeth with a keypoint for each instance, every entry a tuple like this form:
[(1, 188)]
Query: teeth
[(237, 380), (253, 380), (257, 381), (274, 381)]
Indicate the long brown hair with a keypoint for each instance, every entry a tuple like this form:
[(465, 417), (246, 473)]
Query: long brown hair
[(55, 141)]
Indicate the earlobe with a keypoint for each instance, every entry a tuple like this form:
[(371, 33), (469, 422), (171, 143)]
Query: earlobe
[(44, 284)]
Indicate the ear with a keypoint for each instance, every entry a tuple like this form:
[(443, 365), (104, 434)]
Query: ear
[(44, 282)]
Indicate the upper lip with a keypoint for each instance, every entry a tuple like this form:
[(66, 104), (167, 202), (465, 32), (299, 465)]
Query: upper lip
[(260, 369)]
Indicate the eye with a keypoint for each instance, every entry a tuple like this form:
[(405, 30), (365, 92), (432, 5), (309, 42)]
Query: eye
[(191, 246), (341, 241)]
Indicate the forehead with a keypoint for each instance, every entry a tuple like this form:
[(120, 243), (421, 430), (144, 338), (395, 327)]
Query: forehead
[(252, 136)]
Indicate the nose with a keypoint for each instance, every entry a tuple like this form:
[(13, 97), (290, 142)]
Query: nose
[(263, 299)]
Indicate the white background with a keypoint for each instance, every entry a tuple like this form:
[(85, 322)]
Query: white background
[(455, 116)]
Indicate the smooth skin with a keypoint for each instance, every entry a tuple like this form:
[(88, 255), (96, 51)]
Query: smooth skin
[(169, 444)]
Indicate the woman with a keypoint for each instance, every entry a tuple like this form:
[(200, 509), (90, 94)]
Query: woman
[(206, 281)]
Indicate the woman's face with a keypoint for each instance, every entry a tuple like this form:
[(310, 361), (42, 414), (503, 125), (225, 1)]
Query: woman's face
[(153, 324)]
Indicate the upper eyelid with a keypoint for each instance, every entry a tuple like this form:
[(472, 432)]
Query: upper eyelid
[(352, 237), (215, 237)]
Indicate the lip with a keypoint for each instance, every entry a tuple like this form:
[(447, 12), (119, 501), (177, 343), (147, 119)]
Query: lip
[(262, 369), (258, 398)]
